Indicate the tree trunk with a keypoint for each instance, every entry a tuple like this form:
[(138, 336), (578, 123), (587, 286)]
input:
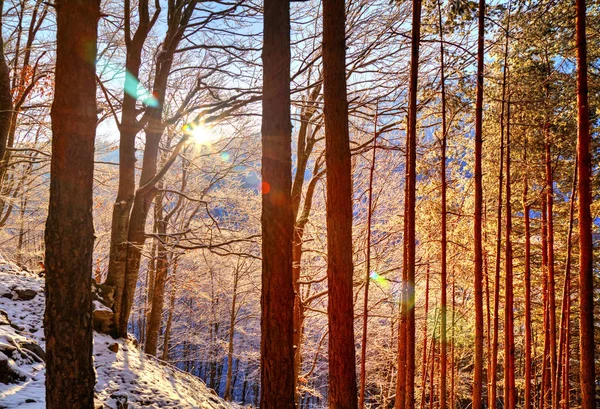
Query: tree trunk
[(158, 296), (128, 130), (232, 316), (527, 278), (492, 393), (410, 204), (363, 351), (563, 355), (277, 297), (340, 307), (586, 259), (443, 211), (424, 363), (509, 332), (6, 101), (551, 279), (478, 273), (431, 376), (546, 382), (167, 336), (69, 235)]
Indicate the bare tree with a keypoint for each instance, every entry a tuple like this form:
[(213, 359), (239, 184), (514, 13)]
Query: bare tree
[(70, 376), (277, 296)]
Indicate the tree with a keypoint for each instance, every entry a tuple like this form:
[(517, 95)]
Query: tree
[(69, 233), (586, 259), (340, 306), (478, 276), (509, 332), (409, 259), (277, 297)]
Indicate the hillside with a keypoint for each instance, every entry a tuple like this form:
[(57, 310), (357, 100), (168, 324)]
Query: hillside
[(126, 378)]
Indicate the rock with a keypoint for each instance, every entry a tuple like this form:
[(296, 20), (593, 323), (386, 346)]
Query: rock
[(35, 348), (9, 373), (103, 320), (104, 293), (25, 294), (17, 327), (4, 320), (114, 347), (30, 400)]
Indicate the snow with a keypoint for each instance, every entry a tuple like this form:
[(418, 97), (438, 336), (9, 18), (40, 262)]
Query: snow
[(128, 375)]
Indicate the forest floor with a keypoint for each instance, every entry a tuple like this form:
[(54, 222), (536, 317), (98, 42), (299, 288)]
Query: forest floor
[(127, 375)]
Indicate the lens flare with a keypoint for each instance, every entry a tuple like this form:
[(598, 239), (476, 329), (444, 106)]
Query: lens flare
[(200, 134), (382, 281)]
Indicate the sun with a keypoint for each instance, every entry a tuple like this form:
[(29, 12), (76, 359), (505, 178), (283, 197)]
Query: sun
[(201, 134)]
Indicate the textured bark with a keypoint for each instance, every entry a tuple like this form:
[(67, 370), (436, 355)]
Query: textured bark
[(509, 333), (586, 272), (179, 17), (527, 278), (6, 102), (69, 235), (277, 297), (478, 265), (158, 294), (128, 129), (342, 390)]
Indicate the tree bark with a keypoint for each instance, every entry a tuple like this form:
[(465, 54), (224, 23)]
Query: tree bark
[(563, 355), (233, 314), (478, 267), (340, 307), (424, 360), (277, 296), (6, 101), (509, 333), (586, 259), (444, 213), (158, 296), (128, 129), (410, 204), (527, 278), (546, 382), (69, 235)]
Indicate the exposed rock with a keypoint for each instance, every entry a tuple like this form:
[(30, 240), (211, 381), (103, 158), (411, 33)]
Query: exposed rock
[(103, 318), (9, 373), (104, 293), (36, 349), (4, 320), (30, 400), (25, 294), (114, 347), (17, 327)]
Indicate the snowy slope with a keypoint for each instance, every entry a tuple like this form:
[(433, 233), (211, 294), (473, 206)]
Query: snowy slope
[(125, 376)]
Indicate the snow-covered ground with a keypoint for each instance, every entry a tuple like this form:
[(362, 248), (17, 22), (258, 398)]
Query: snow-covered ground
[(127, 375)]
